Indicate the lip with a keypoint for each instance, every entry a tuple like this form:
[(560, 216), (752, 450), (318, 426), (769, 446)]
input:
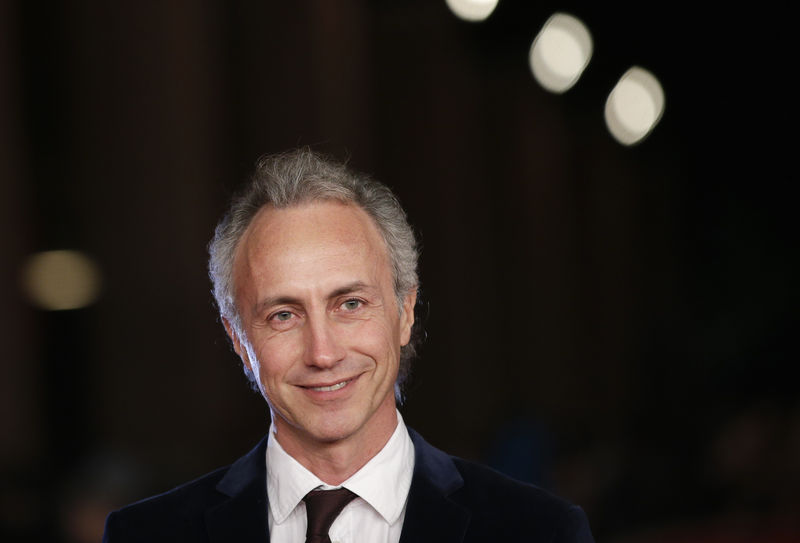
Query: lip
[(311, 389)]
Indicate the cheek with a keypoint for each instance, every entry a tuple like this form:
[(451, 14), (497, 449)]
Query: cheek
[(378, 339), (275, 357)]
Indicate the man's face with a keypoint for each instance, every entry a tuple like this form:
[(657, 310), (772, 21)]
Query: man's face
[(321, 324)]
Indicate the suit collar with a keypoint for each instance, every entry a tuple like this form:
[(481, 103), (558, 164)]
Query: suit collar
[(431, 515), (243, 516)]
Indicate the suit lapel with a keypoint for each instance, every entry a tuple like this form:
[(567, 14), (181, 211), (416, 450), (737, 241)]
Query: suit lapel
[(242, 517), (430, 513)]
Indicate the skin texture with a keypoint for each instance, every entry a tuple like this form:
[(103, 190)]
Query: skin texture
[(314, 289)]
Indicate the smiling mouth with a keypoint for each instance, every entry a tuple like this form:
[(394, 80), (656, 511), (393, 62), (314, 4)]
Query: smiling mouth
[(330, 388)]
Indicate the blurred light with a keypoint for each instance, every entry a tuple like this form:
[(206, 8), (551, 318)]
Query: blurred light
[(634, 106), (56, 280), (472, 10), (560, 52)]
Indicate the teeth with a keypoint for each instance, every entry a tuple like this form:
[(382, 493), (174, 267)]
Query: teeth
[(337, 386)]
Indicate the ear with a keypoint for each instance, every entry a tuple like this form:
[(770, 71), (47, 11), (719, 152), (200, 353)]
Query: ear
[(237, 342), (407, 316)]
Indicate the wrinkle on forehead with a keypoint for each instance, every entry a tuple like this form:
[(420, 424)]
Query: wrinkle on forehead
[(329, 234)]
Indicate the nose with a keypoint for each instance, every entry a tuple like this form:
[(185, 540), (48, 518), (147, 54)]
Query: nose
[(323, 348)]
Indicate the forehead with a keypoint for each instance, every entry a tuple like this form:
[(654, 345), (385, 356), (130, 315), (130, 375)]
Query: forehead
[(286, 243)]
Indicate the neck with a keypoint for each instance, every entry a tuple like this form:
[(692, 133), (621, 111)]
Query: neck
[(336, 461)]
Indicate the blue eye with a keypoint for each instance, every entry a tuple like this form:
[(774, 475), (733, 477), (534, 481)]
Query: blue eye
[(283, 316), (351, 304)]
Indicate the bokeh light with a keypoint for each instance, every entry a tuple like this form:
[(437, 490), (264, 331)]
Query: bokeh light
[(59, 280), (634, 106), (472, 10), (560, 52)]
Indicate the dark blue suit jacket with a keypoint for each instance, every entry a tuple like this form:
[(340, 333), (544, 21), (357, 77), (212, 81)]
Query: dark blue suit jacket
[(451, 500)]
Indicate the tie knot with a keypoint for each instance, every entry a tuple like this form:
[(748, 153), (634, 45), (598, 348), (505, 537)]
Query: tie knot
[(322, 508)]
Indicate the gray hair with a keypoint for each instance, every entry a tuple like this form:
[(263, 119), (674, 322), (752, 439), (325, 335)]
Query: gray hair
[(302, 176)]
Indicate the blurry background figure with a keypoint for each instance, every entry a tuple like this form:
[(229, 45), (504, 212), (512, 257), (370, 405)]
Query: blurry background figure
[(101, 484)]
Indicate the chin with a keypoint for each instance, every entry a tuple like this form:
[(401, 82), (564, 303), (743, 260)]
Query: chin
[(338, 429)]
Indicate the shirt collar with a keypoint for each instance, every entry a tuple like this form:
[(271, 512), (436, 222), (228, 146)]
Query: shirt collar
[(288, 481)]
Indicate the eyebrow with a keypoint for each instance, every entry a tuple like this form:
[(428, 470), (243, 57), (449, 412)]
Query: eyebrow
[(289, 300), (347, 289)]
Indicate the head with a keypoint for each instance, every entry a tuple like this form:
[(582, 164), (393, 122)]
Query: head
[(301, 177)]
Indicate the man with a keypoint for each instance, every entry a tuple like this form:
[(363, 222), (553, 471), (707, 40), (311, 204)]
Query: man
[(315, 274)]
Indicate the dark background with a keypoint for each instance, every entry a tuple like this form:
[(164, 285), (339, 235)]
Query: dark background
[(616, 324)]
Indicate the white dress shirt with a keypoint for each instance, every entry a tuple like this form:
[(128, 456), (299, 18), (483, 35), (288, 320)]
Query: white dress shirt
[(376, 515)]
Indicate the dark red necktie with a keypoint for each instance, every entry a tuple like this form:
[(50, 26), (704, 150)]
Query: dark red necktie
[(322, 508)]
